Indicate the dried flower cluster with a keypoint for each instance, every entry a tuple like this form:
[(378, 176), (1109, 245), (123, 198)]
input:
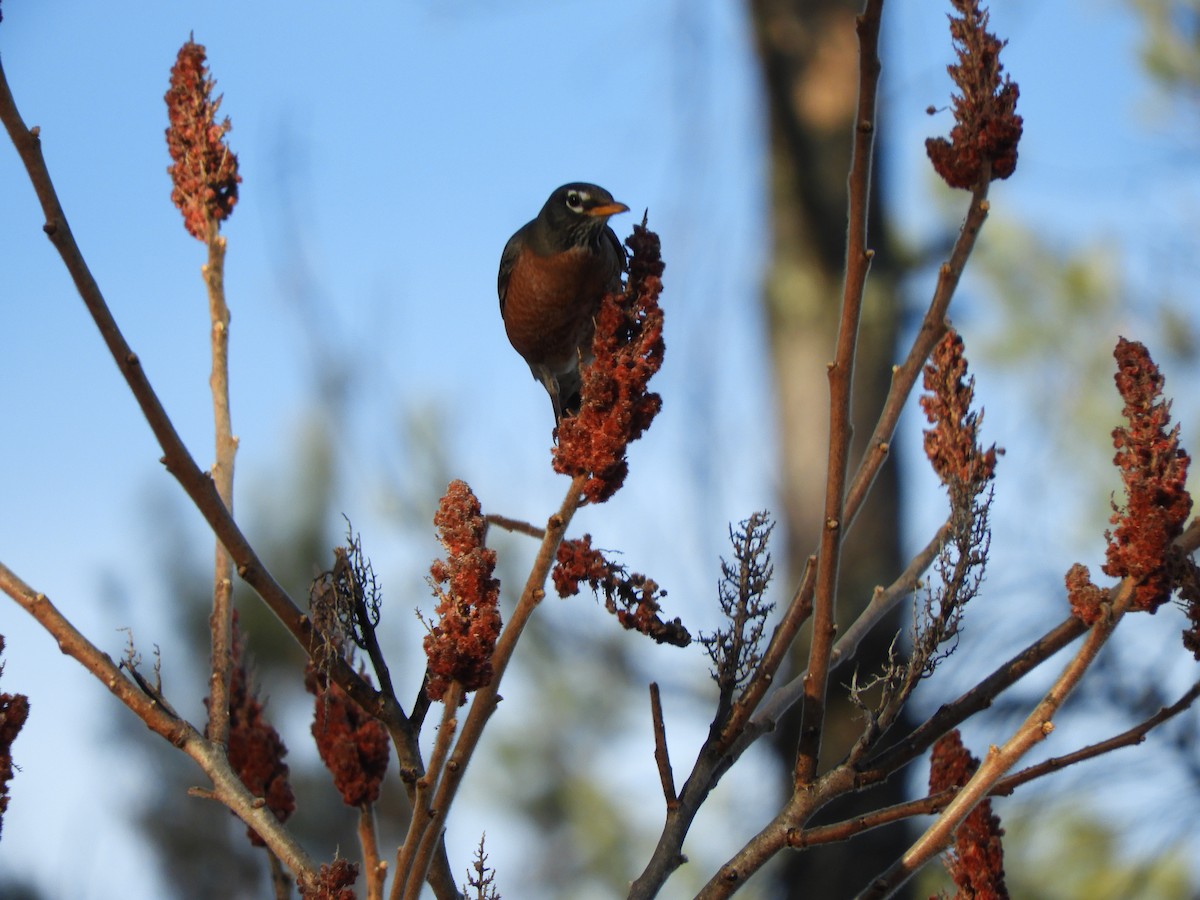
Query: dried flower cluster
[(14, 710), (353, 745), (255, 750), (952, 445), (335, 882), (204, 172), (1189, 595), (1086, 599), (459, 646), (616, 407), (481, 884), (633, 599), (735, 648), (977, 861), (1154, 470), (986, 127), (954, 451), (344, 603)]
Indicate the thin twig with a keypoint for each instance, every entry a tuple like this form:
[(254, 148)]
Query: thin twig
[(221, 621), (515, 525), (841, 381), (979, 697), (280, 883), (374, 868), (226, 786), (410, 863), (797, 613), (661, 755), (905, 376), (882, 602), (1128, 738), (776, 836), (935, 803)]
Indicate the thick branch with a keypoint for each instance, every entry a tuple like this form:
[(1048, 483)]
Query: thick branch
[(1036, 727), (226, 786), (935, 803)]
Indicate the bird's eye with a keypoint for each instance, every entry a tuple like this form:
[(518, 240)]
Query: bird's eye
[(575, 201)]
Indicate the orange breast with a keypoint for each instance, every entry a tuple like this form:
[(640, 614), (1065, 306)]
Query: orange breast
[(551, 302)]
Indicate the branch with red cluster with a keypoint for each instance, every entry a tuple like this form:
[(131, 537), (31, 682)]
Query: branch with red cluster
[(1086, 599), (353, 745), (616, 407), (986, 127), (204, 172), (1154, 470), (977, 861), (952, 445), (255, 750), (632, 598), (335, 882), (1189, 595), (14, 710), (459, 646)]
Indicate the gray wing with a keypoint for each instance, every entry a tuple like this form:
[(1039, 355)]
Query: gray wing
[(508, 259), (617, 247)]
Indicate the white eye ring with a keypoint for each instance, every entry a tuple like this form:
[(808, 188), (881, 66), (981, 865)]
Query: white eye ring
[(575, 201)]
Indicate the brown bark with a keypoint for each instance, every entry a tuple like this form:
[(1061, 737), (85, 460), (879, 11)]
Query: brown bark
[(809, 61)]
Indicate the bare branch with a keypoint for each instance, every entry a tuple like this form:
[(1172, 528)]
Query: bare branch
[(487, 697), (999, 760), (661, 755), (515, 525), (179, 462), (226, 786), (841, 378)]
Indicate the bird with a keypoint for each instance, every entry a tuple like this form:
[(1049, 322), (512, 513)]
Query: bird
[(554, 272)]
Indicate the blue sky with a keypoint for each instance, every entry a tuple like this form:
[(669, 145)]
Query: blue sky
[(387, 153)]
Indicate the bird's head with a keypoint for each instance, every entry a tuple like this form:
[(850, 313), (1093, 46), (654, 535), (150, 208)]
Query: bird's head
[(576, 214)]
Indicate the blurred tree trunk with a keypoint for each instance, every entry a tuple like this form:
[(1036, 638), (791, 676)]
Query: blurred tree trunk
[(809, 54)]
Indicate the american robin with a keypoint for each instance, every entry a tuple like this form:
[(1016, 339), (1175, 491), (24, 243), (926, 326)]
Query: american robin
[(553, 274)]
